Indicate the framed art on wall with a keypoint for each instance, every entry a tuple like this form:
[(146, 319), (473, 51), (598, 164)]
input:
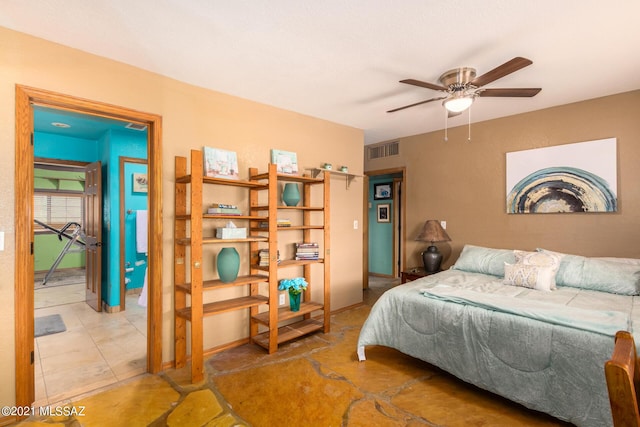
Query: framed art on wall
[(578, 177), (382, 191), (384, 213), (140, 183)]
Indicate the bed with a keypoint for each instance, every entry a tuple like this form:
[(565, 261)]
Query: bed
[(535, 327)]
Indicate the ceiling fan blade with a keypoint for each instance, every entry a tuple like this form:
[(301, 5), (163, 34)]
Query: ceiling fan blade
[(500, 71), (519, 92), (417, 103), (423, 84)]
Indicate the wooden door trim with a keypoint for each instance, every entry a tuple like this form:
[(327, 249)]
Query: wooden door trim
[(26, 97), (121, 165)]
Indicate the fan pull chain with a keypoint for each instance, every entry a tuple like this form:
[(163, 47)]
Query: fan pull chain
[(446, 116), (469, 137)]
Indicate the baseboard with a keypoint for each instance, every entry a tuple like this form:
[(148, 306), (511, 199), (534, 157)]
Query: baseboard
[(110, 308), (384, 276), (210, 352)]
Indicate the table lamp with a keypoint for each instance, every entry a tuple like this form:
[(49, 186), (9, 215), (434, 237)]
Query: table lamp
[(432, 232)]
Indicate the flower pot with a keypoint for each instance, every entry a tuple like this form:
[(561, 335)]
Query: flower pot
[(291, 194), (294, 300), (228, 264)]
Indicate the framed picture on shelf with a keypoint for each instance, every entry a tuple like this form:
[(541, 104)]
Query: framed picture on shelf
[(382, 191), (384, 213), (220, 163), (286, 161)]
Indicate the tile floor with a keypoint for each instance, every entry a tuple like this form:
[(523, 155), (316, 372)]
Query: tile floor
[(96, 350)]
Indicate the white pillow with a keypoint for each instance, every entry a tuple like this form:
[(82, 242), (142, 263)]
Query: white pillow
[(535, 277), (541, 259)]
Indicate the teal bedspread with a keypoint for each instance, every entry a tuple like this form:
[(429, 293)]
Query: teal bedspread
[(545, 350)]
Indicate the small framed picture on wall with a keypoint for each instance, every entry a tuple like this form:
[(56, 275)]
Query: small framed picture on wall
[(382, 191), (384, 213), (140, 183)]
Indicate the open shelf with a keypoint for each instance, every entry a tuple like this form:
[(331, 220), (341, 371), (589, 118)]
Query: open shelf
[(207, 240), (218, 307), (348, 176), (217, 283), (290, 332), (187, 179), (284, 313)]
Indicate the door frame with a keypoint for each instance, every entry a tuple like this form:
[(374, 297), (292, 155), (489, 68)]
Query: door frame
[(26, 98), (121, 165), (403, 220)]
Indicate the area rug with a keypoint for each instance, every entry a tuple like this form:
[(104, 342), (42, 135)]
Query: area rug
[(47, 325)]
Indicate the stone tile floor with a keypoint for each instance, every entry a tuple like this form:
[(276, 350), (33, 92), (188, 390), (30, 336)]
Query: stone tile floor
[(315, 381)]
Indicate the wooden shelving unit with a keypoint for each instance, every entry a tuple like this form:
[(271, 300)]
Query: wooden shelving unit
[(265, 327), (188, 257), (309, 231)]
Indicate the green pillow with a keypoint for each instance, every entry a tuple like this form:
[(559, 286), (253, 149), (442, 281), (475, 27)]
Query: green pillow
[(477, 259), (598, 275)]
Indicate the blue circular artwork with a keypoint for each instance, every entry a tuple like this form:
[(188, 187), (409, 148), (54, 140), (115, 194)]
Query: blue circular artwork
[(561, 190)]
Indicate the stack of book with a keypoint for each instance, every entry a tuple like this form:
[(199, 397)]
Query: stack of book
[(263, 257), (281, 222), (223, 209), (307, 251)]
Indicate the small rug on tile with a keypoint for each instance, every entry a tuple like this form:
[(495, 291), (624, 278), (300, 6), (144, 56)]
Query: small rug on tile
[(48, 325)]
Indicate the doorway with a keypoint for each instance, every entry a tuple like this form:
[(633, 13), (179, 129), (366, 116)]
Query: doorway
[(26, 99), (385, 215), (133, 217)]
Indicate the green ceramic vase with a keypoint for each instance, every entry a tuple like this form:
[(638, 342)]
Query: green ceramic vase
[(228, 264), (291, 194)]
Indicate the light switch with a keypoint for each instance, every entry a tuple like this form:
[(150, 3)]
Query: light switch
[(355, 224), (1, 240)]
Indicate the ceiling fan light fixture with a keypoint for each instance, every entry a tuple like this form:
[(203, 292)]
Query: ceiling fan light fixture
[(458, 104)]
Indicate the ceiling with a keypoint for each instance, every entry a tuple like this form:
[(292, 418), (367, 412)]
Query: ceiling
[(76, 125), (341, 60)]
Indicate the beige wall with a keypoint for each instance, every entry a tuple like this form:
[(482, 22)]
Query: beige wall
[(464, 182), (192, 117)]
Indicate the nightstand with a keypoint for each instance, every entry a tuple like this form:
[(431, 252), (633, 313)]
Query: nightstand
[(413, 274)]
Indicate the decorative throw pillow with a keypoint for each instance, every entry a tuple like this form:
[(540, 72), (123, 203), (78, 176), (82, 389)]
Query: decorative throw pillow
[(529, 276), (478, 259), (551, 260), (616, 276)]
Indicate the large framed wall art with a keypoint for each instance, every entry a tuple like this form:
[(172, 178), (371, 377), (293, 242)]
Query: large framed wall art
[(579, 177)]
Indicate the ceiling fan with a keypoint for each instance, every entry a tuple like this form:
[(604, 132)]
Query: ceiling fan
[(461, 86)]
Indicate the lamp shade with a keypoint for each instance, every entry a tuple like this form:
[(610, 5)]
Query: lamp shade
[(433, 232)]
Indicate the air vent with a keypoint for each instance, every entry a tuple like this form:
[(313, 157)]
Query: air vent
[(384, 150), (136, 126)]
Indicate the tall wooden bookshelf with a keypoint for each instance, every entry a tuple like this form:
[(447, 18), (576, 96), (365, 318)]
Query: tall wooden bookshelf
[(265, 325), (319, 231)]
